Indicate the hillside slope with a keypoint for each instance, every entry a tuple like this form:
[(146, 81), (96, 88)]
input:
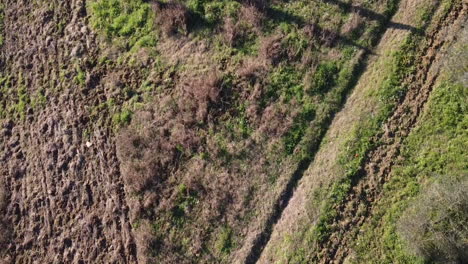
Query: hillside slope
[(248, 131)]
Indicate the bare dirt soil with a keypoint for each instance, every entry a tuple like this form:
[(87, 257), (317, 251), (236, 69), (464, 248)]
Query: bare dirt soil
[(65, 201)]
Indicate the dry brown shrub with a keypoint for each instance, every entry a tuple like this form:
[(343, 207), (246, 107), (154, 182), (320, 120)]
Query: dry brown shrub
[(173, 17), (234, 32), (144, 239), (435, 225), (139, 166), (271, 49), (352, 24), (157, 138), (252, 16), (321, 36), (275, 121), (200, 94), (252, 71)]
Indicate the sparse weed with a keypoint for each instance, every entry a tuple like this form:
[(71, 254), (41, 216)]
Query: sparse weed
[(224, 241), (80, 77)]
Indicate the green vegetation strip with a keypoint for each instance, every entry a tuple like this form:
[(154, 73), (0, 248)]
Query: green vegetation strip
[(352, 161), (436, 150), (422, 215)]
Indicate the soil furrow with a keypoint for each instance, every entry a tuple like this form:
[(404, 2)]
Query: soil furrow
[(65, 197), (357, 207)]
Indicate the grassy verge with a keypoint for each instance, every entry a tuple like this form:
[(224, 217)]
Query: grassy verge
[(434, 168), (362, 141), (433, 152), (351, 160)]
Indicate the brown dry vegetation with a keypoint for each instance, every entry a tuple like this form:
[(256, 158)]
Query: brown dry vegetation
[(172, 17), (435, 226)]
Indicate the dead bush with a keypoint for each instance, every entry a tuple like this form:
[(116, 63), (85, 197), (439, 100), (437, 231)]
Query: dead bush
[(434, 226), (271, 49), (353, 24), (252, 71), (252, 16), (234, 32), (249, 23), (140, 168), (145, 242), (275, 121), (173, 17), (153, 145), (200, 95)]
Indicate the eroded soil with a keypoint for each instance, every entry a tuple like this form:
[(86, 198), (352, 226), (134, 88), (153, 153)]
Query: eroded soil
[(65, 201)]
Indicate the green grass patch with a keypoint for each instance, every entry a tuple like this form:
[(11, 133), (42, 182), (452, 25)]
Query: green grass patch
[(122, 118), (286, 83), (224, 242), (130, 23), (80, 77), (324, 77)]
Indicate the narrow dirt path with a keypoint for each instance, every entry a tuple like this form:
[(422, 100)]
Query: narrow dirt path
[(288, 194), (324, 170), (380, 161), (65, 199)]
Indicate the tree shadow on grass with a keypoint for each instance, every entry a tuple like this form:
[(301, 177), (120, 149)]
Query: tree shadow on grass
[(369, 14), (327, 37)]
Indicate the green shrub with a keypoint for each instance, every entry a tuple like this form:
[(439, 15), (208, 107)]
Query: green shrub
[(122, 118), (301, 123), (224, 243), (80, 77), (285, 82)]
